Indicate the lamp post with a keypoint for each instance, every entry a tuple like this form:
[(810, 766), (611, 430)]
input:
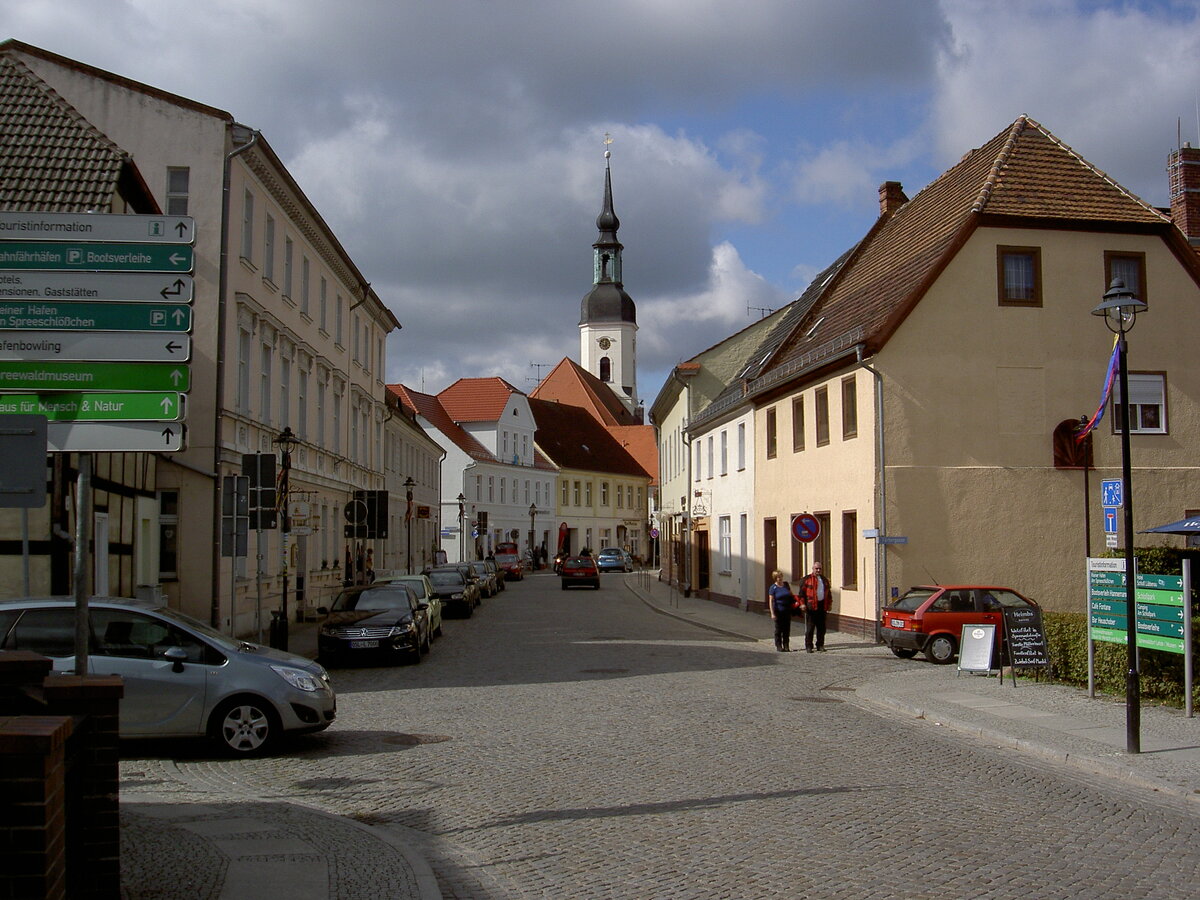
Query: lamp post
[(286, 441), (408, 515), (462, 538), (1119, 309), (533, 511)]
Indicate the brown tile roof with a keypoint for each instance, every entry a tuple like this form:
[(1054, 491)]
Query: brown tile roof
[(52, 158), (640, 442), (430, 408), (571, 438), (477, 399), (1024, 176), (570, 383)]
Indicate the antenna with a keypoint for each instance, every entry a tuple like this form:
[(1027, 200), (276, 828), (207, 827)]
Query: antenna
[(539, 366), (763, 311)]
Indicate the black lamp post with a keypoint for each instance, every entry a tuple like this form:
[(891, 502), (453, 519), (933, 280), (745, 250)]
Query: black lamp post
[(1119, 309), (408, 515), (462, 538), (286, 441), (533, 511)]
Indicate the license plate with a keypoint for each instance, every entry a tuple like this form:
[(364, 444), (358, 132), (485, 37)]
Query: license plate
[(896, 623), (363, 645)]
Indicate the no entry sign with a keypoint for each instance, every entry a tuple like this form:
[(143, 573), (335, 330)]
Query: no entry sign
[(805, 528)]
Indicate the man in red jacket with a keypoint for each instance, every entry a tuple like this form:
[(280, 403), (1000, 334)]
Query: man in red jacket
[(818, 598)]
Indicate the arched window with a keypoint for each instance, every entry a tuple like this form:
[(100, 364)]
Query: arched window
[(605, 369)]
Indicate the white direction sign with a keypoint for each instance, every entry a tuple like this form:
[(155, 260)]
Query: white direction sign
[(127, 346), (115, 437), (49, 226), (139, 287)]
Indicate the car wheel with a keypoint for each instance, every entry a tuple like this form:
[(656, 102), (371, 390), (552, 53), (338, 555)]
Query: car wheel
[(428, 645), (904, 652), (941, 649), (437, 632), (245, 726), (596, 586)]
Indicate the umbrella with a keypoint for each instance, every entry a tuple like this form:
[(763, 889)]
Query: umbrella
[(1189, 525)]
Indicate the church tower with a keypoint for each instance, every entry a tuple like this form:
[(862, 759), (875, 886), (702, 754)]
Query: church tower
[(608, 318)]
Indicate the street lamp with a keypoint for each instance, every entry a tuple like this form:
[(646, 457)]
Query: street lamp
[(533, 511), (408, 512), (286, 441), (462, 538), (1119, 309)]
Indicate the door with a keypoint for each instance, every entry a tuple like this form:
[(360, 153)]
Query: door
[(702, 560), (770, 553)]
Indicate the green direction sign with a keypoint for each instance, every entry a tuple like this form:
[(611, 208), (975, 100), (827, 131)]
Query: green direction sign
[(1159, 610), (69, 316), (162, 406), (23, 375), (77, 257)]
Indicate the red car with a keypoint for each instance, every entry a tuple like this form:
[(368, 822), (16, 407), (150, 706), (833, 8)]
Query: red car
[(580, 570), (929, 619)]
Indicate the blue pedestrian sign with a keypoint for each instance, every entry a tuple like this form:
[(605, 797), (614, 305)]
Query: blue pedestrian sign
[(1111, 493), (1110, 520)]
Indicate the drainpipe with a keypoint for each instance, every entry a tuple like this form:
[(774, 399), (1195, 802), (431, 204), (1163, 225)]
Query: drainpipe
[(881, 490), (219, 405)]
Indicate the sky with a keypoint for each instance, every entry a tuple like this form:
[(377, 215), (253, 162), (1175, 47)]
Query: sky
[(456, 147)]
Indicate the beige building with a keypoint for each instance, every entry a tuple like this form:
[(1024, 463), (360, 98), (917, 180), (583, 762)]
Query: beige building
[(287, 335)]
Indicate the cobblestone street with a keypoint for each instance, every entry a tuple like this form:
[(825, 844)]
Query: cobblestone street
[(577, 744)]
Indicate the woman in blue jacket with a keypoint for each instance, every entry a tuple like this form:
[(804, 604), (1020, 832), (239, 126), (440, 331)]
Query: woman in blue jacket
[(781, 601)]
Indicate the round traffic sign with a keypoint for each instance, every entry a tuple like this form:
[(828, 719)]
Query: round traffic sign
[(653, 532), (805, 528), (356, 512)]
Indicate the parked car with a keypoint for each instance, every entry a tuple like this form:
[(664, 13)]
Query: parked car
[(425, 594), (455, 588), (374, 620), (511, 564), (614, 559), (929, 619), (182, 678), (497, 573), (580, 570), (487, 581)]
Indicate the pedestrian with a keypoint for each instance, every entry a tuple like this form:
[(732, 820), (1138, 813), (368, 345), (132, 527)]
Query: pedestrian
[(781, 601), (817, 597)]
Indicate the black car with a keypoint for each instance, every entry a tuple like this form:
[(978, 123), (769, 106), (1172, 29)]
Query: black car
[(374, 620), (455, 587)]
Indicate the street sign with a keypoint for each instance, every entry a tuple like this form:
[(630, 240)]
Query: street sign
[(94, 376), (893, 539), (127, 346), (102, 437), (132, 286), (1110, 520), (1112, 492), (805, 528), (51, 226), (163, 406), (95, 316), (79, 257), (23, 475)]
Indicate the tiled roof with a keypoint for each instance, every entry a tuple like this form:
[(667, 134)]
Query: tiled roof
[(570, 383), (640, 442), (477, 399), (572, 439), (430, 408), (1024, 175), (51, 157)]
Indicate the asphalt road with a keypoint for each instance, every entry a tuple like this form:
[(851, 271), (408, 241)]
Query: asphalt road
[(575, 744)]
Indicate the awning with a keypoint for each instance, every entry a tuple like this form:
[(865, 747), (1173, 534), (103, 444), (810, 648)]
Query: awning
[(1183, 526)]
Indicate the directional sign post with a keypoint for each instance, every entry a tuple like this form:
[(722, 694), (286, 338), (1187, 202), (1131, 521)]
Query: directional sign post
[(98, 376), (20, 316), (95, 257), (135, 287), (131, 346), (96, 407), (128, 437)]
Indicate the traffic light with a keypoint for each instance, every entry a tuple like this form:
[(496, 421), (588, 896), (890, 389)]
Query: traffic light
[(259, 469), (483, 522), (377, 514)]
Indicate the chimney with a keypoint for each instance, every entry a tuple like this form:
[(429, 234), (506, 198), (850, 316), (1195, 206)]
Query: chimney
[(891, 197), (1183, 171)]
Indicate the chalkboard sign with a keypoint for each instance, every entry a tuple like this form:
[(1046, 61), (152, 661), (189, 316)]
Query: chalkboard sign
[(975, 648), (1026, 637)]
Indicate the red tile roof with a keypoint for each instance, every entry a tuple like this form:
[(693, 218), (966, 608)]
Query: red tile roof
[(477, 399), (431, 409), (571, 438), (568, 382)]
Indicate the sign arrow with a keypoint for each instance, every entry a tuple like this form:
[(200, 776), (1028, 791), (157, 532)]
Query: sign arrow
[(172, 347), (178, 285), (176, 259), (166, 406), (181, 229), (180, 315), (167, 434), (176, 375)]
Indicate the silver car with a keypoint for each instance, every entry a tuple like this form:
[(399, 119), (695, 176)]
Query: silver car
[(425, 594), (182, 678)]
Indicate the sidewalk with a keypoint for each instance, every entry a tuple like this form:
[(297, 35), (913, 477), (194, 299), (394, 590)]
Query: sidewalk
[(183, 839)]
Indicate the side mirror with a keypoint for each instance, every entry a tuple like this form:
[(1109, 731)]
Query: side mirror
[(177, 657), (322, 611)]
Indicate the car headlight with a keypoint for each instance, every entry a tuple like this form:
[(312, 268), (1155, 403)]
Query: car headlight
[(398, 630), (298, 678), (456, 596)]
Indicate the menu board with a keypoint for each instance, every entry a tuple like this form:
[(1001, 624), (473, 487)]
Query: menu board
[(975, 648), (1026, 637)]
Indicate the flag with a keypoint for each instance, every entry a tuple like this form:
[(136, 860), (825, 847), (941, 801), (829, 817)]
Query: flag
[(1104, 394)]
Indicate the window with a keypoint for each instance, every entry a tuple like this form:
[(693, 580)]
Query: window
[(1130, 268), (821, 402), (178, 178), (566, 492), (337, 321), (629, 495), (321, 388), (849, 408), (1147, 404), (710, 456), (1019, 275), (771, 433), (168, 534), (322, 300), (850, 549), (797, 424), (724, 452), (264, 393), (503, 485), (248, 226), (587, 494), (620, 498), (269, 249), (491, 488), (696, 461), (725, 538), (285, 388), (243, 382), (604, 493), (337, 422), (304, 282), (575, 493), (741, 448), (605, 369), (289, 250)]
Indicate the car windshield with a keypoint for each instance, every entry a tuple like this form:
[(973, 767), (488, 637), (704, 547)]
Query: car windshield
[(221, 640), (611, 551), (480, 567), (446, 578), (912, 599), (382, 597), (417, 584), (581, 562)]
